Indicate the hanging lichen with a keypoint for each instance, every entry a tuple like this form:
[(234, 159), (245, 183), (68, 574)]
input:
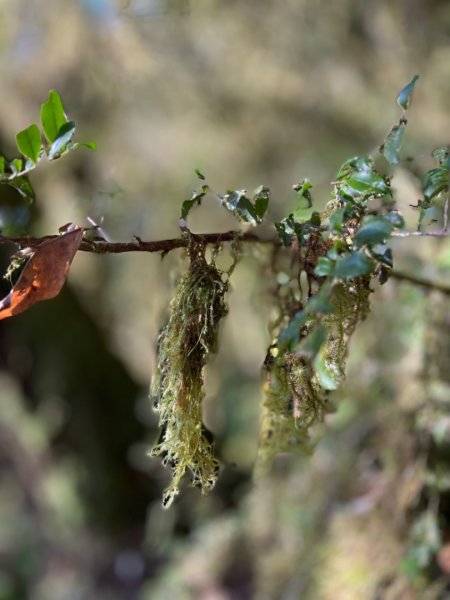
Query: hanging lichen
[(183, 349), (319, 303), (298, 383)]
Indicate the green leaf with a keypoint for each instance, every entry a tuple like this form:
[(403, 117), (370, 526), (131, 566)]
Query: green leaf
[(442, 156), (374, 230), (15, 166), (29, 142), (396, 219), (195, 200), (313, 342), (434, 182), (261, 201), (316, 221), (199, 174), (324, 267), (290, 336), (329, 378), (336, 220), (382, 254), (391, 147), (23, 186), (285, 232), (53, 116), (430, 215), (237, 202), (359, 177), (2, 164), (88, 145), (320, 302), (302, 188), (404, 98), (64, 136), (353, 265)]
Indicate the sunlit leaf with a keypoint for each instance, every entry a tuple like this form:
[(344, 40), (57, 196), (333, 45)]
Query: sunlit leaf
[(88, 145), (29, 142), (15, 166), (53, 116), (63, 137)]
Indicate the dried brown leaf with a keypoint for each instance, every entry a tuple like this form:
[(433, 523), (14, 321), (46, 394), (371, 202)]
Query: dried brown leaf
[(44, 274)]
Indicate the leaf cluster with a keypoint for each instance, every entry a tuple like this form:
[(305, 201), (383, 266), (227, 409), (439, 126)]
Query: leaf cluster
[(55, 141)]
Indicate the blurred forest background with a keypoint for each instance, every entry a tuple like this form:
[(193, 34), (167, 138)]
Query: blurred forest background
[(250, 93)]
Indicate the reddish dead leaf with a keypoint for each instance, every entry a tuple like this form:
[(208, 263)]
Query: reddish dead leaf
[(44, 274)]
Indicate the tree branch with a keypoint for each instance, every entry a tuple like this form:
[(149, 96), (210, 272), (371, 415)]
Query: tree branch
[(406, 234), (426, 283), (138, 245), (164, 246)]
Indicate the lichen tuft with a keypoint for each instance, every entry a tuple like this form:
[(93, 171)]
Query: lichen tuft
[(184, 344)]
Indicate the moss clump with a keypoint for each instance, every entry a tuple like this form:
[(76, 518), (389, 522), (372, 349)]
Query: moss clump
[(184, 345), (297, 385)]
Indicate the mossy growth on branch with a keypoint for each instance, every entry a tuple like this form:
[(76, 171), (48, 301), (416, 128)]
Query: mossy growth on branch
[(298, 383), (189, 337)]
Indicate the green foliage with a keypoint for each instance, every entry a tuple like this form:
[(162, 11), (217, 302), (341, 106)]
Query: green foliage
[(59, 133), (195, 200), (392, 144), (29, 143), (53, 116), (328, 259), (251, 211), (404, 97)]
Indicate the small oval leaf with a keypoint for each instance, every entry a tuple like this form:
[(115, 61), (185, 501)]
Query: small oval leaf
[(53, 116), (29, 142), (405, 96)]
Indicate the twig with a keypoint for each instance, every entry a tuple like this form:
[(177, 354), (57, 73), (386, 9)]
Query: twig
[(405, 234), (426, 283), (445, 227)]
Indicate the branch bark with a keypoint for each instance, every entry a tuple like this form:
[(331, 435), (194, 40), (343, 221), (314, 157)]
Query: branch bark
[(164, 246), (420, 281), (138, 245)]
